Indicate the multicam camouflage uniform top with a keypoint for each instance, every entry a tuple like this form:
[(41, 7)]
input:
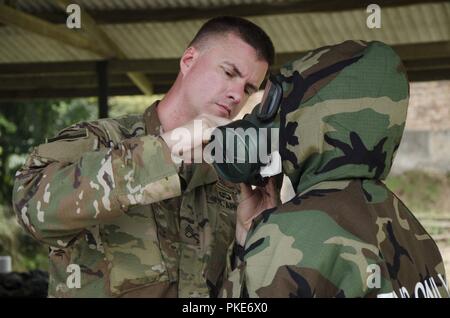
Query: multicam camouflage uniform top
[(344, 234), (107, 198)]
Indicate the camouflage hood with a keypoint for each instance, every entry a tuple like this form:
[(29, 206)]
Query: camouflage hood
[(342, 113)]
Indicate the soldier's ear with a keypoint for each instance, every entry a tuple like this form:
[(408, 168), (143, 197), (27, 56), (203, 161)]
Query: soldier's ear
[(187, 59)]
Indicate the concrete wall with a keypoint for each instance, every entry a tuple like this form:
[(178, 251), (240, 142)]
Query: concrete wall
[(426, 141), (423, 150)]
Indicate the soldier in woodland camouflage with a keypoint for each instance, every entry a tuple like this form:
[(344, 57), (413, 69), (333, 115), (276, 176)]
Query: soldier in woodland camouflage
[(121, 219), (344, 234)]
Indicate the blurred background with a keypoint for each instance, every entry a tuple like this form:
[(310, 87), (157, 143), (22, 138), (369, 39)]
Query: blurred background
[(125, 56)]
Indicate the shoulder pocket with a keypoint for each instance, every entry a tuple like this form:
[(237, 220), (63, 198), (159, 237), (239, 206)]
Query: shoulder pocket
[(70, 134), (68, 145)]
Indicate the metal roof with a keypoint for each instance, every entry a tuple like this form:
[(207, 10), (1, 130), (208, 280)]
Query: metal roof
[(48, 5), (143, 39), (289, 32)]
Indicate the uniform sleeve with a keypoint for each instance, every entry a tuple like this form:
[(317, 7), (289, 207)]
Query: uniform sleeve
[(78, 180)]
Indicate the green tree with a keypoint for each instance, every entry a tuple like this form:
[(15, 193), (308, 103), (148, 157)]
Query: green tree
[(23, 126)]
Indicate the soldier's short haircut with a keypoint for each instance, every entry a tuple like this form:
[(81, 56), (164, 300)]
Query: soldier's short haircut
[(249, 32)]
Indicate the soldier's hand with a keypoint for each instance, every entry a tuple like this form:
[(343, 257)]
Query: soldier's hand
[(186, 142), (253, 202)]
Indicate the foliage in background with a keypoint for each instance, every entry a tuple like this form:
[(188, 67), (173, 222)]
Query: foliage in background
[(27, 124), (22, 126), (122, 105), (26, 253), (423, 192), (427, 195)]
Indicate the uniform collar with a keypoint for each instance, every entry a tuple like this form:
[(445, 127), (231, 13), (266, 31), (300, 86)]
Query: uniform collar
[(151, 120)]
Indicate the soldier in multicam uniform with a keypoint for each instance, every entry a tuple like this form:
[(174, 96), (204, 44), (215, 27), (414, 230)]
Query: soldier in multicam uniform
[(344, 234), (121, 219)]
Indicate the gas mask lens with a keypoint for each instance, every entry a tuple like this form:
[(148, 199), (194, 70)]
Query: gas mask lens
[(271, 99)]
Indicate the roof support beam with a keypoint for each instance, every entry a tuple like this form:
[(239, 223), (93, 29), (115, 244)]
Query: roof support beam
[(418, 55), (407, 52), (96, 41), (244, 10), (423, 62), (102, 95), (435, 52), (32, 24), (149, 66), (59, 81), (74, 92), (160, 88), (429, 75), (30, 81), (96, 33)]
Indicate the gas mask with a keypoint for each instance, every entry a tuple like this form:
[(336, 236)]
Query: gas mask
[(246, 150)]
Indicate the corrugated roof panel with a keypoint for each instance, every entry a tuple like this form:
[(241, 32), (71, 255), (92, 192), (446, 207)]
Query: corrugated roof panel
[(444, 15), (26, 47), (398, 26), (119, 35), (48, 5), (161, 39), (158, 43), (430, 24), (174, 41), (35, 5), (407, 27), (8, 42), (289, 32), (428, 27), (5, 54), (282, 39), (145, 45), (326, 28), (360, 25), (437, 14), (337, 27), (12, 41)]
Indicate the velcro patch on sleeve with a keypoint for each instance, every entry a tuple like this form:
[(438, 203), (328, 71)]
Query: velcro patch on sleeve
[(70, 134)]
